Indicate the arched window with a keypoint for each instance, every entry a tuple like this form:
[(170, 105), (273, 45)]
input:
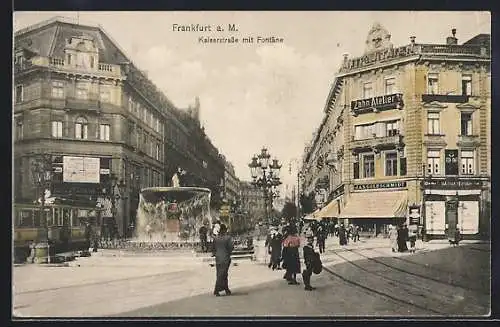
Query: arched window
[(81, 128)]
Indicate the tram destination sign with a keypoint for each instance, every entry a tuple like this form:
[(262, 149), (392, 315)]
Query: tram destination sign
[(372, 186)]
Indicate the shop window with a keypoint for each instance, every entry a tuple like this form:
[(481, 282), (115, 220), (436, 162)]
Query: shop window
[(433, 162), (467, 162), (432, 83), (466, 123), (391, 164), (433, 123)]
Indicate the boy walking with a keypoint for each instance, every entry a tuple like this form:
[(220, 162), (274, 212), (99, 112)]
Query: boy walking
[(309, 258)]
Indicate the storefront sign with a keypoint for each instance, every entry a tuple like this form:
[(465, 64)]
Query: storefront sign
[(80, 170), (372, 186), (383, 102), (454, 184), (378, 56)]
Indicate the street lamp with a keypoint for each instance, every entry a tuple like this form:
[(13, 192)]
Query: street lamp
[(300, 175), (265, 175), (116, 192), (41, 172)]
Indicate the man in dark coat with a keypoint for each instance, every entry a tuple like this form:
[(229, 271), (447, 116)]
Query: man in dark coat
[(223, 247), (276, 250), (203, 238), (342, 235), (402, 238), (308, 260)]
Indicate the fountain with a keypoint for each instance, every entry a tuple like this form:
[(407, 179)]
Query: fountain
[(170, 217)]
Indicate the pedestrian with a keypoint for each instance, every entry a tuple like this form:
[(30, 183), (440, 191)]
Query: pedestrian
[(393, 237), (309, 255), (267, 244), (457, 237), (276, 248), (291, 259), (412, 237), (223, 247), (402, 238), (216, 228), (342, 235), (355, 233), (203, 231), (88, 235), (148, 231), (320, 237)]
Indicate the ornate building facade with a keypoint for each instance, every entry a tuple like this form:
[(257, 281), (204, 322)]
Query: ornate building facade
[(80, 99), (406, 137)]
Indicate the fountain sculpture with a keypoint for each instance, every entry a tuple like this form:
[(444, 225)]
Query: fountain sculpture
[(172, 214)]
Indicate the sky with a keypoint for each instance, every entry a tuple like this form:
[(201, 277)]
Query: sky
[(255, 95)]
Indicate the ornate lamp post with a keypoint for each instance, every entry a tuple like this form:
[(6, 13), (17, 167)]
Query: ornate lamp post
[(116, 192), (300, 175), (41, 172), (265, 175)]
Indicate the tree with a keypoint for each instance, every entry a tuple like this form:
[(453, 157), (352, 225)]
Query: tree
[(307, 202), (289, 210)]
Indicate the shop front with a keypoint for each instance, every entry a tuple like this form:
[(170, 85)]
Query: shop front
[(451, 204), (375, 208)]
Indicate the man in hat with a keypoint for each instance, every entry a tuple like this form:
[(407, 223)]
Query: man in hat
[(308, 260)]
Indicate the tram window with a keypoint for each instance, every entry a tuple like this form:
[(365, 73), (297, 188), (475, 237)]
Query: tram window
[(26, 218), (37, 218), (63, 216), (74, 218), (66, 217), (55, 218)]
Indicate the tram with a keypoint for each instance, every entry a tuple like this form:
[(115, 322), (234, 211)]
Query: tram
[(65, 225)]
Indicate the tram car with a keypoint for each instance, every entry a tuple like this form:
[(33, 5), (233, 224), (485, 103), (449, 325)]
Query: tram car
[(65, 226)]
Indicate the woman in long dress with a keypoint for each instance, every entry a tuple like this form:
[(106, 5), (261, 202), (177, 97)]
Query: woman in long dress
[(393, 237), (291, 257)]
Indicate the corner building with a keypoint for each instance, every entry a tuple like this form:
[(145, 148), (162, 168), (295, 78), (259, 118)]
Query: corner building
[(416, 139), (80, 99)]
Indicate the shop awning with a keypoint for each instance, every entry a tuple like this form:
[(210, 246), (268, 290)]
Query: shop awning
[(312, 216), (331, 210), (376, 205)]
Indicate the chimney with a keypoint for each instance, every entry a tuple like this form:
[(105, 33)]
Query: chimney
[(412, 40), (452, 40)]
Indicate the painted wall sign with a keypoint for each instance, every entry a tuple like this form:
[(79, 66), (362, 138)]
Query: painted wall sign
[(453, 183), (378, 56), (383, 102), (359, 187), (80, 169)]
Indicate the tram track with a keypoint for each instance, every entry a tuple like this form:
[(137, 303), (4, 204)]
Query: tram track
[(406, 260), (380, 293), (405, 271)]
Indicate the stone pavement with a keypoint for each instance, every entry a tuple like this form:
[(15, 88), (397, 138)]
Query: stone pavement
[(112, 282)]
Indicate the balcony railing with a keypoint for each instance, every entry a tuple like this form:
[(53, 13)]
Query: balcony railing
[(61, 64), (446, 98), (378, 143), (468, 140), (450, 49)]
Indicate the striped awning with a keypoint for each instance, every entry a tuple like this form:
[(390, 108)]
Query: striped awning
[(331, 210), (386, 204)]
